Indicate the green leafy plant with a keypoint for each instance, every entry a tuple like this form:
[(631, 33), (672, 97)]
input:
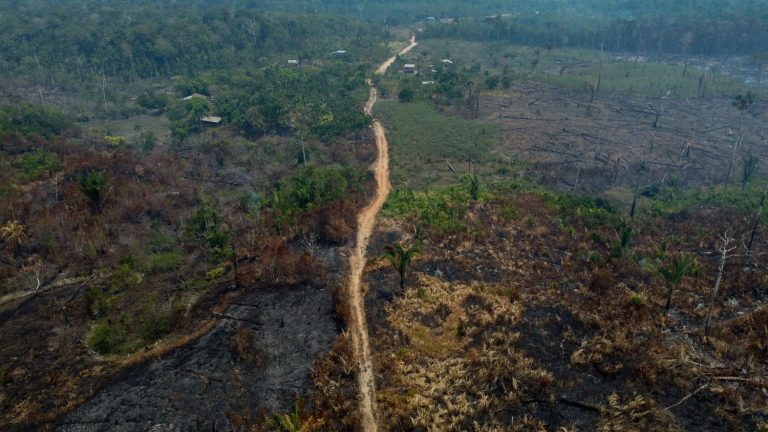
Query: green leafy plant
[(164, 262), (619, 247), (35, 164), (290, 422), (749, 169), (473, 185), (400, 256), (103, 339), (674, 274), (95, 187)]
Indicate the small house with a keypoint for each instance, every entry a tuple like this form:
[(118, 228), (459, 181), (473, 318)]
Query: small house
[(294, 63), (339, 53), (447, 61), (409, 68), (193, 96), (211, 120)]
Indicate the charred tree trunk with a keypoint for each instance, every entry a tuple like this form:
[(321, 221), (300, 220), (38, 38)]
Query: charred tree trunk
[(716, 288), (757, 220)]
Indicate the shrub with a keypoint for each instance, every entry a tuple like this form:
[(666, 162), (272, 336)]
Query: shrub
[(95, 186), (439, 209), (115, 141), (99, 301), (149, 142), (164, 262), (406, 95), (103, 339), (216, 273), (155, 323), (35, 164), (149, 100), (33, 120), (217, 239), (592, 213), (315, 187), (636, 300)]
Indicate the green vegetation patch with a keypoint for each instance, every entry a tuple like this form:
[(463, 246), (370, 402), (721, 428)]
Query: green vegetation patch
[(420, 136), (669, 199), (438, 209), (33, 120), (314, 187), (34, 165), (163, 262)]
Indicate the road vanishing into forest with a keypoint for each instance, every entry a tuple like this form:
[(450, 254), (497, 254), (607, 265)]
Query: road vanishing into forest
[(365, 224)]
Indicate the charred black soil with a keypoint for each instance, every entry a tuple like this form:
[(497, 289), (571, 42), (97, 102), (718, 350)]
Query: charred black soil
[(257, 359)]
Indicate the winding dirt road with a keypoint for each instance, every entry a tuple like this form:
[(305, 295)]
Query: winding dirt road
[(365, 223)]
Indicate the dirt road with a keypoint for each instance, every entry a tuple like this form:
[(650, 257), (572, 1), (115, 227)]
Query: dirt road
[(365, 223)]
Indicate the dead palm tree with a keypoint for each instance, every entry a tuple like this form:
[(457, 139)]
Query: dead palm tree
[(13, 233), (400, 256)]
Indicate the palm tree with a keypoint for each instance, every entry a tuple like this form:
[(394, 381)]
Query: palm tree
[(473, 185), (13, 232), (624, 231), (400, 256), (290, 422), (674, 274), (95, 186)]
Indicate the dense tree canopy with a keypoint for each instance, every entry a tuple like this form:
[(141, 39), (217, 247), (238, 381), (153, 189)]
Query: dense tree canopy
[(54, 40)]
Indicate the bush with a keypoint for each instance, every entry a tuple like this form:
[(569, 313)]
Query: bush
[(315, 187), (492, 82), (439, 209), (406, 95), (33, 120), (103, 339), (153, 101), (592, 213), (216, 273), (149, 142), (35, 164), (95, 186), (164, 262), (155, 323), (115, 141)]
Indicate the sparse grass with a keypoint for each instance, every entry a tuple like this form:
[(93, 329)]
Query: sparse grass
[(573, 68), (135, 128)]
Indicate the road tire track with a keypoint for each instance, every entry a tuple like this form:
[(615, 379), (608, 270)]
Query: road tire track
[(366, 221)]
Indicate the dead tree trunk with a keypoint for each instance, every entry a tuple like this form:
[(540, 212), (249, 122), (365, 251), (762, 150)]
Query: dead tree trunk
[(757, 220), (634, 201), (724, 251)]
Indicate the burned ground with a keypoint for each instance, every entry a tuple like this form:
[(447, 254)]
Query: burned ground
[(256, 359), (592, 147), (580, 342)]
